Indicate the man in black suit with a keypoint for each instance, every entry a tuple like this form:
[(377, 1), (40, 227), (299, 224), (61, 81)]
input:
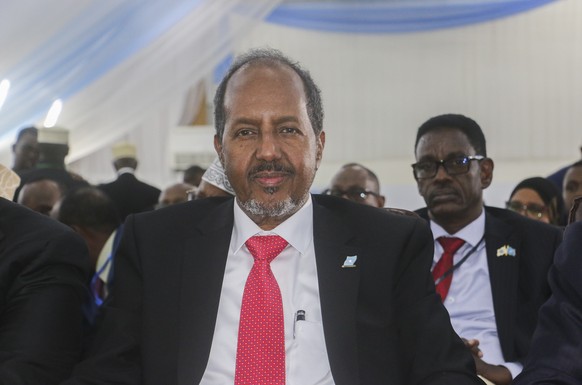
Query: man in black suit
[(44, 269), (554, 358), (353, 291), (499, 272), (129, 194)]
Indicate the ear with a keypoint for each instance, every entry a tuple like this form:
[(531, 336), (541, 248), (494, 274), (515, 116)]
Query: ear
[(218, 149), (319, 148), (486, 172), (381, 201)]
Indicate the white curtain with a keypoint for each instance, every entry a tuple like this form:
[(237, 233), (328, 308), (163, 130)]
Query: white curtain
[(143, 98)]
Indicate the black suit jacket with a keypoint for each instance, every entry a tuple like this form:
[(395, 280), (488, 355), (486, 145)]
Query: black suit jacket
[(131, 195), (556, 353), (518, 284), (44, 267), (383, 322)]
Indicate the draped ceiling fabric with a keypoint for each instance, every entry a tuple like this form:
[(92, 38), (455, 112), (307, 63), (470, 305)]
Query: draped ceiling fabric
[(394, 16), (118, 66), (124, 69)]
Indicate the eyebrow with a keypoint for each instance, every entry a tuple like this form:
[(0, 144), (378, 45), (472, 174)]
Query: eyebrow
[(279, 120)]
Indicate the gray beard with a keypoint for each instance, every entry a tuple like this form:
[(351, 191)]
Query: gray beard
[(278, 209)]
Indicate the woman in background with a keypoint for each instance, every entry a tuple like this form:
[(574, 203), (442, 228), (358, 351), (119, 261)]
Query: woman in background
[(539, 199)]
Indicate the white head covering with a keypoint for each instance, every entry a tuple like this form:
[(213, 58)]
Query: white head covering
[(215, 175), (9, 182), (123, 150), (55, 135)]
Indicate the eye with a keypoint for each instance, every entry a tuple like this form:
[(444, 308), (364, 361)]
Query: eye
[(290, 130), (572, 187), (459, 161), (423, 166), (244, 132)]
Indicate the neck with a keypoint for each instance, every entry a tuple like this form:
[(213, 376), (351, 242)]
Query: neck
[(452, 224), (270, 215)]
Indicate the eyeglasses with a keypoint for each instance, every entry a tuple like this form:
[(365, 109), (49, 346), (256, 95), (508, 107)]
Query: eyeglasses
[(454, 166), (532, 209), (354, 193)]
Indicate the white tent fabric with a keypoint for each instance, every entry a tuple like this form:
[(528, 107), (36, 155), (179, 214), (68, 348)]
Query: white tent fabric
[(141, 94)]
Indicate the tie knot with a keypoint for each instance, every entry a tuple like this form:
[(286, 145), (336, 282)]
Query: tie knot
[(451, 244), (265, 247)]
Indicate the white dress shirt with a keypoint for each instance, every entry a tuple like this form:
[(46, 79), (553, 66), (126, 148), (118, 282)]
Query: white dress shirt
[(295, 269), (469, 301)]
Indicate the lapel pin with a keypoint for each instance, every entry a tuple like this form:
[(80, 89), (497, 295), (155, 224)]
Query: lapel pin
[(350, 261), (505, 251)]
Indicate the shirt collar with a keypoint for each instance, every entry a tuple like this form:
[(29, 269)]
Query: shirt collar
[(297, 230), (471, 234), (125, 170)]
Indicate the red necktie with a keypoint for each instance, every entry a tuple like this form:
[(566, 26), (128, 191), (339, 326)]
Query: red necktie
[(450, 246), (260, 355)]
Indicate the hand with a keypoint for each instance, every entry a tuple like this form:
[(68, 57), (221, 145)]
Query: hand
[(473, 346), (497, 374)]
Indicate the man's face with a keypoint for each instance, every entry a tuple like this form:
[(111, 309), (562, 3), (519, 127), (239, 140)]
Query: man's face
[(355, 184), (25, 152), (452, 197), (572, 185), (269, 150)]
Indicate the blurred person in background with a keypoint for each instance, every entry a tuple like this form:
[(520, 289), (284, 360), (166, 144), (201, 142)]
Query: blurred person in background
[(538, 198)]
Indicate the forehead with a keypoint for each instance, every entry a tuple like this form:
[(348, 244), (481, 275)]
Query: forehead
[(574, 173), (259, 82), (27, 139), (443, 142), (351, 177)]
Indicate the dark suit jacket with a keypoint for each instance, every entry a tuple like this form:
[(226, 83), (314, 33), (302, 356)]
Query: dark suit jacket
[(518, 284), (44, 267), (131, 195), (383, 322), (556, 353)]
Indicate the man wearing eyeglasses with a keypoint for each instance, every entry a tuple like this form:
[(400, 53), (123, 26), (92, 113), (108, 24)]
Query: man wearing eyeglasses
[(357, 183), (494, 281)]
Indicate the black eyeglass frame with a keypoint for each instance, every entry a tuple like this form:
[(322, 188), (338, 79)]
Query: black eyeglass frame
[(525, 207), (358, 194), (447, 165)]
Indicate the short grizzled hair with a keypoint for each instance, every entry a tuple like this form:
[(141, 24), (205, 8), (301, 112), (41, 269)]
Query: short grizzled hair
[(271, 57)]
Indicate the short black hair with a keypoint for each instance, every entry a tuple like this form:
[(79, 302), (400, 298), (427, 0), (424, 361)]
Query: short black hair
[(27, 131), (466, 125), (271, 57), (89, 207)]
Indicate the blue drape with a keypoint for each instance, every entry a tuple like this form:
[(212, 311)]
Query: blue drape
[(376, 17)]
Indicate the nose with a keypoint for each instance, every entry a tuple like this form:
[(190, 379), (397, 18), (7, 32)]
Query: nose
[(441, 173), (268, 147)]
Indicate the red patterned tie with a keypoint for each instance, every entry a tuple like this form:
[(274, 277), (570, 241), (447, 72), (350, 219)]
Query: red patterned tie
[(450, 246), (260, 355)]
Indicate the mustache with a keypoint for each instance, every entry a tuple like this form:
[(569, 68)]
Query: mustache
[(271, 167)]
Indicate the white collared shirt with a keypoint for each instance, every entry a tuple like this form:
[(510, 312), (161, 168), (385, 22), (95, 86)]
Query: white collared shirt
[(125, 170), (469, 301), (295, 269)]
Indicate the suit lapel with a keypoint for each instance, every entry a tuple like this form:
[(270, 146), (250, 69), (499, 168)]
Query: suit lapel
[(204, 260), (338, 291), (503, 275)]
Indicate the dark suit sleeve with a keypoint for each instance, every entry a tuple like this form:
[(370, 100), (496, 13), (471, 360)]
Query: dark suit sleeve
[(556, 350), (114, 357), (432, 351), (41, 317)]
